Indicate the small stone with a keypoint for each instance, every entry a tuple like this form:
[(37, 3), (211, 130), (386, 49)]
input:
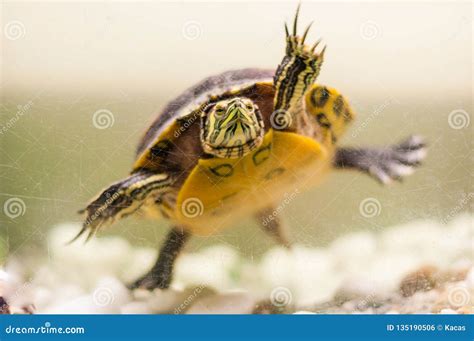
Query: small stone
[(447, 311), (230, 303), (304, 312), (420, 280), (136, 308)]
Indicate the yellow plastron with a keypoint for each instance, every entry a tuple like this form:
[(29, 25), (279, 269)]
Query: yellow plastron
[(220, 191)]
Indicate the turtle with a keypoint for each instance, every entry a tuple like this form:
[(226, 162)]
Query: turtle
[(235, 145)]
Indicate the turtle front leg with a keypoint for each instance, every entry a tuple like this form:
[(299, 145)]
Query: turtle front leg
[(383, 164), (272, 224), (295, 74), (121, 199), (161, 273)]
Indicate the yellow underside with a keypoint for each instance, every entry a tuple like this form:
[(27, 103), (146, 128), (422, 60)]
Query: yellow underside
[(219, 192)]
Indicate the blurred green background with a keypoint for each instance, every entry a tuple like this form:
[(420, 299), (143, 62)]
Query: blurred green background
[(405, 67)]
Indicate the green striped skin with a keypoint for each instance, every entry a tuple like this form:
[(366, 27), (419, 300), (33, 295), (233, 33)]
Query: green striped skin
[(232, 129), (122, 199), (296, 73)]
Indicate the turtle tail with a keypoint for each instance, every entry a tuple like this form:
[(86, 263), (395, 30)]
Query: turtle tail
[(121, 199)]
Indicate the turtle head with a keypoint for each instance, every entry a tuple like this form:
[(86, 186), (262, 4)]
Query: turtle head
[(232, 128)]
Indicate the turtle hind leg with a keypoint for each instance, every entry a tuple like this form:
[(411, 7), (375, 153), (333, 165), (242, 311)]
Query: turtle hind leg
[(122, 199), (272, 224), (384, 164), (161, 273)]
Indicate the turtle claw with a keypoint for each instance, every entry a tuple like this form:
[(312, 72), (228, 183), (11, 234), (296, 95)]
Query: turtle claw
[(387, 164), (149, 282), (297, 71), (396, 162), (297, 47)]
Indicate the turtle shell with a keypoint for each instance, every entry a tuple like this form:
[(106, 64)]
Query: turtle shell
[(172, 143), (209, 192)]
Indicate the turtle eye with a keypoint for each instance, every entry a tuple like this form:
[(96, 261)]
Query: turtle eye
[(249, 107), (219, 111)]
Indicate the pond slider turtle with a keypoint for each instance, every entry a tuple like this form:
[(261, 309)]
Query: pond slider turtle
[(235, 145)]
